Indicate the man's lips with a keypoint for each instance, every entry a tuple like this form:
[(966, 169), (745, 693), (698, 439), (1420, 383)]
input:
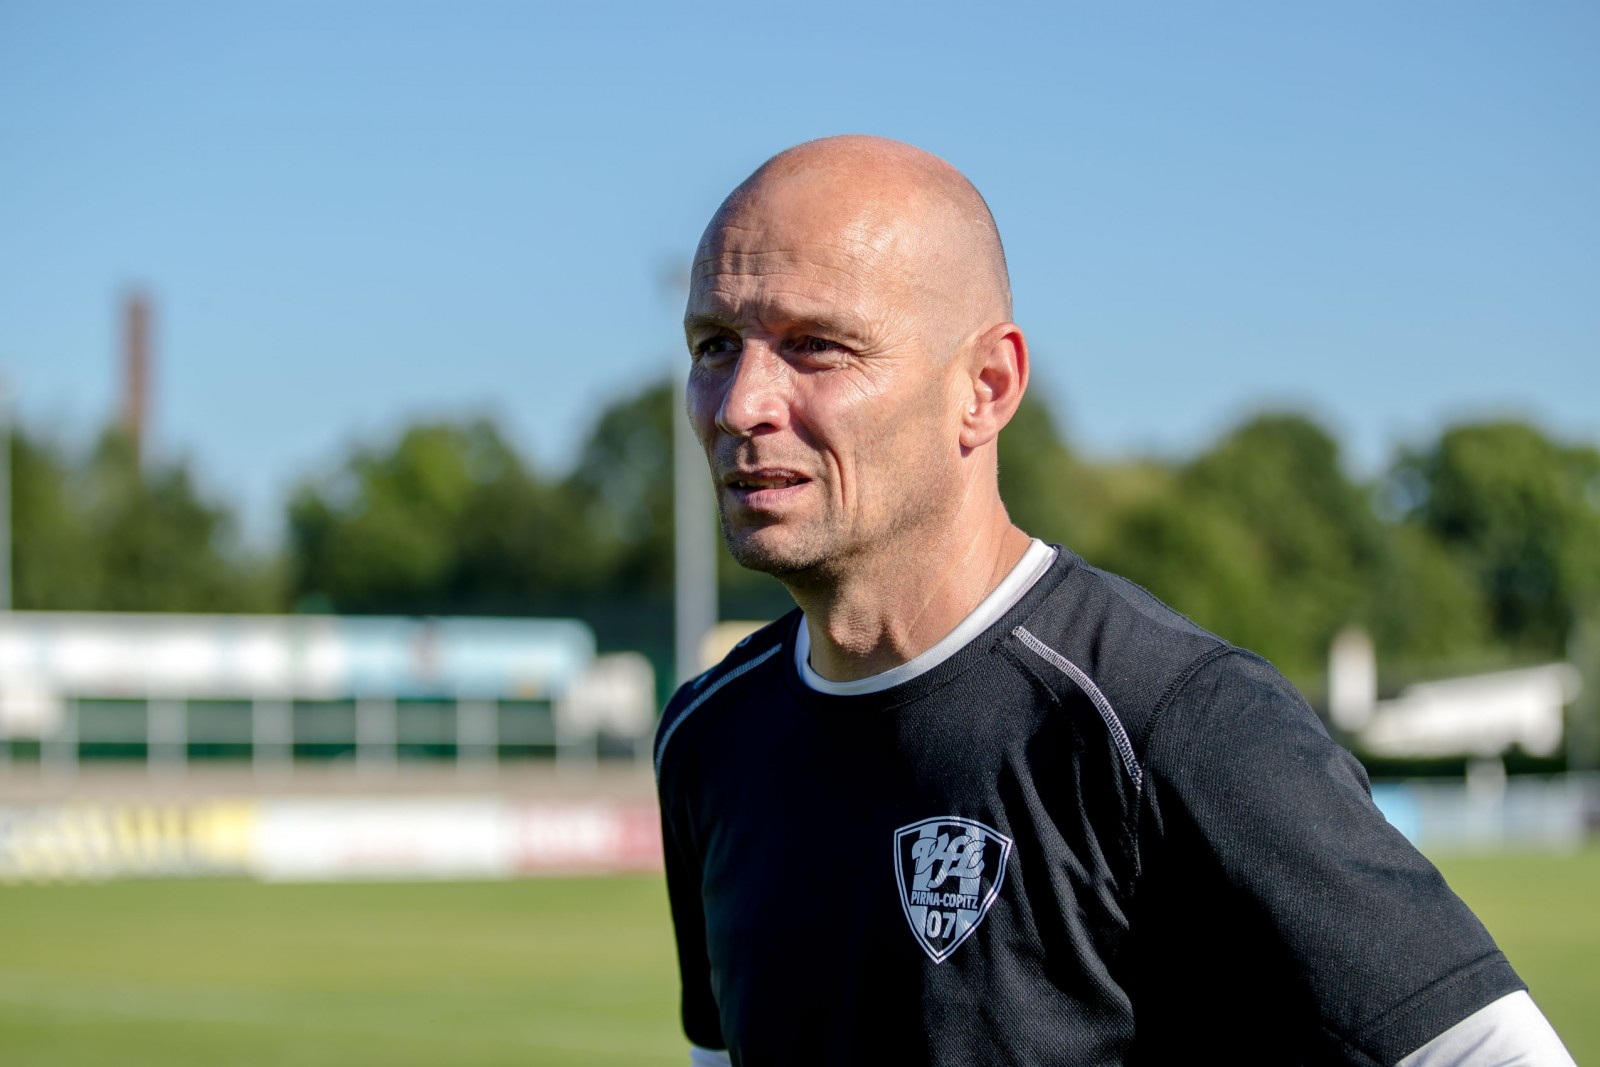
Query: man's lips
[(763, 486)]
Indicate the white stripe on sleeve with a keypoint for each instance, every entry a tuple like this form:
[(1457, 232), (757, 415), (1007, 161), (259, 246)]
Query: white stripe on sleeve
[(1511, 1032), (708, 1057)]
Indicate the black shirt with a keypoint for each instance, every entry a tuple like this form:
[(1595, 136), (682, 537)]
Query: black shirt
[(1096, 834)]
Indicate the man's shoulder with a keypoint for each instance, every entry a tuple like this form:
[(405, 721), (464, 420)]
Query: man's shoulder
[(1115, 621), (1096, 628), (759, 649)]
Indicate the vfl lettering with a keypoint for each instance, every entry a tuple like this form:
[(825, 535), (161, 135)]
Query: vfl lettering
[(962, 857)]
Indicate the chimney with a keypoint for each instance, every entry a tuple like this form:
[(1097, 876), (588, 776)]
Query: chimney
[(135, 368)]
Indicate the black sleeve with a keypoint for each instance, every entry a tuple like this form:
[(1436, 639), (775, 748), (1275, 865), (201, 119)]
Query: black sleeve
[(701, 1023), (1268, 831)]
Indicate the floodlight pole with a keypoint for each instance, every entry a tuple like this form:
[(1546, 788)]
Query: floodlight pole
[(5, 495), (694, 540), (5, 538)]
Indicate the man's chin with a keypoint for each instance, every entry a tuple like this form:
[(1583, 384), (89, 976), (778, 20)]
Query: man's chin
[(771, 551)]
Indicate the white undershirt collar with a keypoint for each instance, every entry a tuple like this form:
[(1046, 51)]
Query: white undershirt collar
[(1029, 569)]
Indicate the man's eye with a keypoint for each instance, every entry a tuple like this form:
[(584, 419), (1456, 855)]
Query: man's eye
[(714, 345), (818, 344)]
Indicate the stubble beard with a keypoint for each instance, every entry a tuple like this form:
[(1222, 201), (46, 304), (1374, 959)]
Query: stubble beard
[(814, 554), (802, 555)]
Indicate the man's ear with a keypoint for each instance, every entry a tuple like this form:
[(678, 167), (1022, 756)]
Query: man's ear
[(998, 367)]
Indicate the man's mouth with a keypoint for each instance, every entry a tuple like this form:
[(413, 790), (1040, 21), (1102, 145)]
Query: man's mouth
[(765, 486), (765, 479)]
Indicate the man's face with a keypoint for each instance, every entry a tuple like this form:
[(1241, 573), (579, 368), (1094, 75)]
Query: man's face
[(822, 385)]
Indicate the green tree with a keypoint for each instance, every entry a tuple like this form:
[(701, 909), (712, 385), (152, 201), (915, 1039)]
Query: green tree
[(1045, 490), (445, 520), (1261, 538), (54, 554), (624, 482), (1312, 530), (1203, 562), (1521, 514), (1424, 612), (106, 532), (1265, 540)]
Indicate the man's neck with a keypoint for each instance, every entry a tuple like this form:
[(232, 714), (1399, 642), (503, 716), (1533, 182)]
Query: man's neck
[(892, 609)]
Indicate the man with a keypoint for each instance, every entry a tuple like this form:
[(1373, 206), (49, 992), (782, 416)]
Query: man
[(976, 802)]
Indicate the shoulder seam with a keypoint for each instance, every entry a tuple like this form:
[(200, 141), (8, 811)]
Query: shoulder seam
[(666, 735), (1080, 678), (1179, 684)]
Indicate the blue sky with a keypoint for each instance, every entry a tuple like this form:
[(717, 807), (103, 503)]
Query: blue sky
[(350, 215)]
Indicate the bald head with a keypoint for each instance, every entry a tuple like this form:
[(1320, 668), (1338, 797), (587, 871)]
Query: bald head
[(853, 360), (914, 213)]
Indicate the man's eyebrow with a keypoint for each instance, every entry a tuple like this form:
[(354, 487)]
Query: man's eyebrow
[(702, 320), (825, 325)]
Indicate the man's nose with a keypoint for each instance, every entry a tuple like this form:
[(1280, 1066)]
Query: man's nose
[(756, 397)]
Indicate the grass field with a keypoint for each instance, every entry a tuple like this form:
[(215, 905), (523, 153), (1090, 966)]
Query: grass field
[(142, 973), (1544, 910), (556, 972)]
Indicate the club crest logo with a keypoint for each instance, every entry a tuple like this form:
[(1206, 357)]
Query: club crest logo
[(949, 871)]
